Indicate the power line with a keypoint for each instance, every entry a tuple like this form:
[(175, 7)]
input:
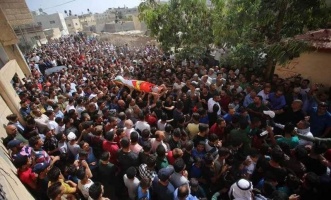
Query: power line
[(59, 5)]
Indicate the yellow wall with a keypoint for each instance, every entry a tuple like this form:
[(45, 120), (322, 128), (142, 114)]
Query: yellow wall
[(4, 112), (14, 53), (7, 91), (315, 66), (12, 12), (9, 103)]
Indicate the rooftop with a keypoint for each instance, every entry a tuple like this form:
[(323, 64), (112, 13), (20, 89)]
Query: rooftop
[(320, 39)]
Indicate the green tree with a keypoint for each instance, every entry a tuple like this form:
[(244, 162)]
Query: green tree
[(179, 24), (254, 28)]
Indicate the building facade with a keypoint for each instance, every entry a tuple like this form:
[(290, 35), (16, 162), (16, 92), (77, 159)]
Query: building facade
[(106, 17), (73, 24), (12, 63), (30, 34), (87, 20), (52, 33), (55, 20)]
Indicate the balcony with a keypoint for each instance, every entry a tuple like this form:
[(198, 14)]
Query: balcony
[(19, 30)]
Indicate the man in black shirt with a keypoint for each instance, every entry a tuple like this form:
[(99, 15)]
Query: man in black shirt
[(202, 135), (174, 141), (293, 114), (108, 171), (125, 156), (271, 168), (162, 188), (187, 156)]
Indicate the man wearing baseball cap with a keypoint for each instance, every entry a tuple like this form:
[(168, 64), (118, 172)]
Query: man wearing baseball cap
[(42, 182), (162, 188), (18, 149)]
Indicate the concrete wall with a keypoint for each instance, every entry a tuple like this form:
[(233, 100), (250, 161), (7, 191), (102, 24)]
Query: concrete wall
[(16, 11), (138, 25), (6, 89), (126, 26), (105, 17), (3, 114), (14, 52), (77, 25), (9, 103), (12, 13), (53, 33), (73, 24), (7, 34), (57, 18), (110, 28), (100, 28), (113, 28), (315, 66)]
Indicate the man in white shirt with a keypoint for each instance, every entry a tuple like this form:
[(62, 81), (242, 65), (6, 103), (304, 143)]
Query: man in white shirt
[(303, 128), (265, 94), (205, 80), (214, 100), (131, 182), (211, 74), (51, 124), (80, 106), (128, 127), (178, 84), (141, 124), (35, 58), (236, 86), (41, 120)]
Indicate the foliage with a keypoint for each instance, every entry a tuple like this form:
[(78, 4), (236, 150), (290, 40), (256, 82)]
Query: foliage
[(184, 25), (25, 46), (257, 27), (256, 32)]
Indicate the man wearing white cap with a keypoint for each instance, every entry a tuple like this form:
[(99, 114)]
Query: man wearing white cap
[(241, 190), (72, 144)]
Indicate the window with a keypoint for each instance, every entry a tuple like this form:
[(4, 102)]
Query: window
[(3, 57), (52, 22), (39, 23), (69, 25), (37, 37), (76, 24)]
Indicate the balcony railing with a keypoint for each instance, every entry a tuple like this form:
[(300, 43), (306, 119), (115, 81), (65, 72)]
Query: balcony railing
[(19, 30)]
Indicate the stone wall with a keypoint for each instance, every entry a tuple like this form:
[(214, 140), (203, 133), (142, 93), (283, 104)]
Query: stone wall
[(16, 11)]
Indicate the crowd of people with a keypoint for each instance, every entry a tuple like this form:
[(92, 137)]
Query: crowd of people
[(214, 133)]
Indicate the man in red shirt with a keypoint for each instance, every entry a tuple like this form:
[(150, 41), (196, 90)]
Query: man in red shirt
[(218, 128), (110, 146), (24, 172), (225, 100)]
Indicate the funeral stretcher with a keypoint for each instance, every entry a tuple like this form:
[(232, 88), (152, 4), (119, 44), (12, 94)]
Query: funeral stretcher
[(140, 85)]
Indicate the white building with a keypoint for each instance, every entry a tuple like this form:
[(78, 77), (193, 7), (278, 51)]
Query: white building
[(51, 21), (104, 17), (73, 24)]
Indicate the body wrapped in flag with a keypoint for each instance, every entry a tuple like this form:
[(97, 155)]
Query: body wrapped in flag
[(140, 85)]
